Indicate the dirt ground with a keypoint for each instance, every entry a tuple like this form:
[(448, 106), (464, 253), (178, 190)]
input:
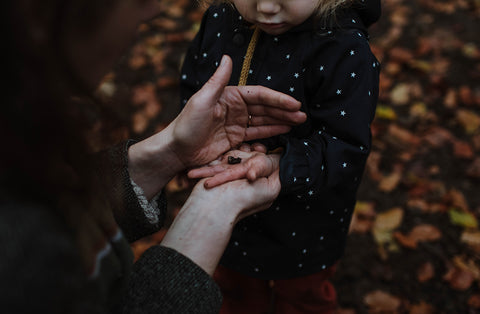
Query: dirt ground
[(414, 244)]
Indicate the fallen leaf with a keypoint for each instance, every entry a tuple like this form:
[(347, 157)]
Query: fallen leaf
[(400, 94), (390, 182), (474, 301), (459, 279), (456, 199), (462, 218), (425, 272), (419, 233), (383, 228), (384, 112), (469, 120), (462, 150), (438, 137), (363, 217), (422, 308), (473, 169), (382, 302)]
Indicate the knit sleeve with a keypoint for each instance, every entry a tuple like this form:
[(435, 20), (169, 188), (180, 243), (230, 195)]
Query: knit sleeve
[(164, 281), (128, 212), (342, 87)]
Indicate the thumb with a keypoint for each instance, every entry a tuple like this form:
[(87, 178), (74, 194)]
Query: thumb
[(215, 85)]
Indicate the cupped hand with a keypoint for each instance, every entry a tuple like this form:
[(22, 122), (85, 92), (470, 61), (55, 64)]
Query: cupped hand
[(203, 227), (249, 164), (218, 118)]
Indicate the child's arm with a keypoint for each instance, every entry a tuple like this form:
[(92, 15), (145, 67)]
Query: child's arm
[(342, 89)]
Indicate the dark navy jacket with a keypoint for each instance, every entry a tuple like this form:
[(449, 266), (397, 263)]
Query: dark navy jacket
[(329, 68)]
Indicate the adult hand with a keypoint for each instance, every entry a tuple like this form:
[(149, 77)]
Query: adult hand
[(203, 227), (219, 118), (248, 164), (215, 120)]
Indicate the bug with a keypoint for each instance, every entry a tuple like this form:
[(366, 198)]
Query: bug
[(234, 160)]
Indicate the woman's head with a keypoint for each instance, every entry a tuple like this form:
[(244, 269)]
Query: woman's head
[(278, 16), (57, 50)]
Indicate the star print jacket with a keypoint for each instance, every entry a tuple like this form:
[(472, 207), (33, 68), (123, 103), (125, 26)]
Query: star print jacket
[(330, 68)]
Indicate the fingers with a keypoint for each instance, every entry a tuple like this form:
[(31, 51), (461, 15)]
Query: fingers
[(204, 172), (254, 133), (259, 148), (214, 87), (265, 115), (234, 173), (264, 96)]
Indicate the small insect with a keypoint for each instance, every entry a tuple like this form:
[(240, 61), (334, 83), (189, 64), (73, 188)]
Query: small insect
[(234, 160)]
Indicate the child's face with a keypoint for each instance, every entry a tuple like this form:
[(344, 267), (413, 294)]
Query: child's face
[(276, 16)]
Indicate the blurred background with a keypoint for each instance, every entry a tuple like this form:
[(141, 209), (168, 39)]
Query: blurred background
[(414, 243)]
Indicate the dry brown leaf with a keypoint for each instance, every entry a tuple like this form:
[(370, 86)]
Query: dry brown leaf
[(473, 169), (472, 239), (422, 308), (425, 272), (390, 182), (456, 199), (459, 279), (382, 302), (402, 135), (438, 137), (419, 233), (474, 301), (462, 150)]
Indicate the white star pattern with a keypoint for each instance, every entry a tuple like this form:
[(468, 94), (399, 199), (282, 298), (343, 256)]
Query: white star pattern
[(310, 192), (343, 113), (304, 251), (218, 35), (287, 57), (292, 89), (269, 78), (296, 75), (353, 21), (307, 180), (294, 234), (275, 39), (184, 77), (215, 15), (353, 74), (322, 68), (344, 165), (205, 54), (250, 72), (352, 52), (339, 91)]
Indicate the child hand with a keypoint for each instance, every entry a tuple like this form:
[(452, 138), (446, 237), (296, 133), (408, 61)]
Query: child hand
[(250, 162)]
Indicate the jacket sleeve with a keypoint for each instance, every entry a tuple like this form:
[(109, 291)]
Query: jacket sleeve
[(342, 96)]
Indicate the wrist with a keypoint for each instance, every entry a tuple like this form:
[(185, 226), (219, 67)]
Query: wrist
[(200, 233), (152, 163)]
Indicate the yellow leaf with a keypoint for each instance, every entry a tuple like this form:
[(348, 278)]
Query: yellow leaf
[(461, 218), (384, 112)]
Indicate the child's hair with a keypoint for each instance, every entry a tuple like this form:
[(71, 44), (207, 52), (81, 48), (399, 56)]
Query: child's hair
[(326, 8)]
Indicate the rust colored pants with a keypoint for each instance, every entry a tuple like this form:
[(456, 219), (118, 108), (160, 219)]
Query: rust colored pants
[(304, 295)]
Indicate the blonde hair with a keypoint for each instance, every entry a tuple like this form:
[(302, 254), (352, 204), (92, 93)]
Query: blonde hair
[(326, 9)]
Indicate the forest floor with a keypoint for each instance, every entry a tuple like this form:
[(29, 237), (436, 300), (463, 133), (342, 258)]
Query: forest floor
[(414, 242)]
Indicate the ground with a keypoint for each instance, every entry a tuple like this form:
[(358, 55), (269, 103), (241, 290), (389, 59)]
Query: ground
[(414, 243)]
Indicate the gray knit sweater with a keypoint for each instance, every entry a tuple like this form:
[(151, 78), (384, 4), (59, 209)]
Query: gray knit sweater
[(41, 271)]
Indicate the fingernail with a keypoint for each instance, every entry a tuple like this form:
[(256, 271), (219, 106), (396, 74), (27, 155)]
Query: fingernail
[(224, 59)]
